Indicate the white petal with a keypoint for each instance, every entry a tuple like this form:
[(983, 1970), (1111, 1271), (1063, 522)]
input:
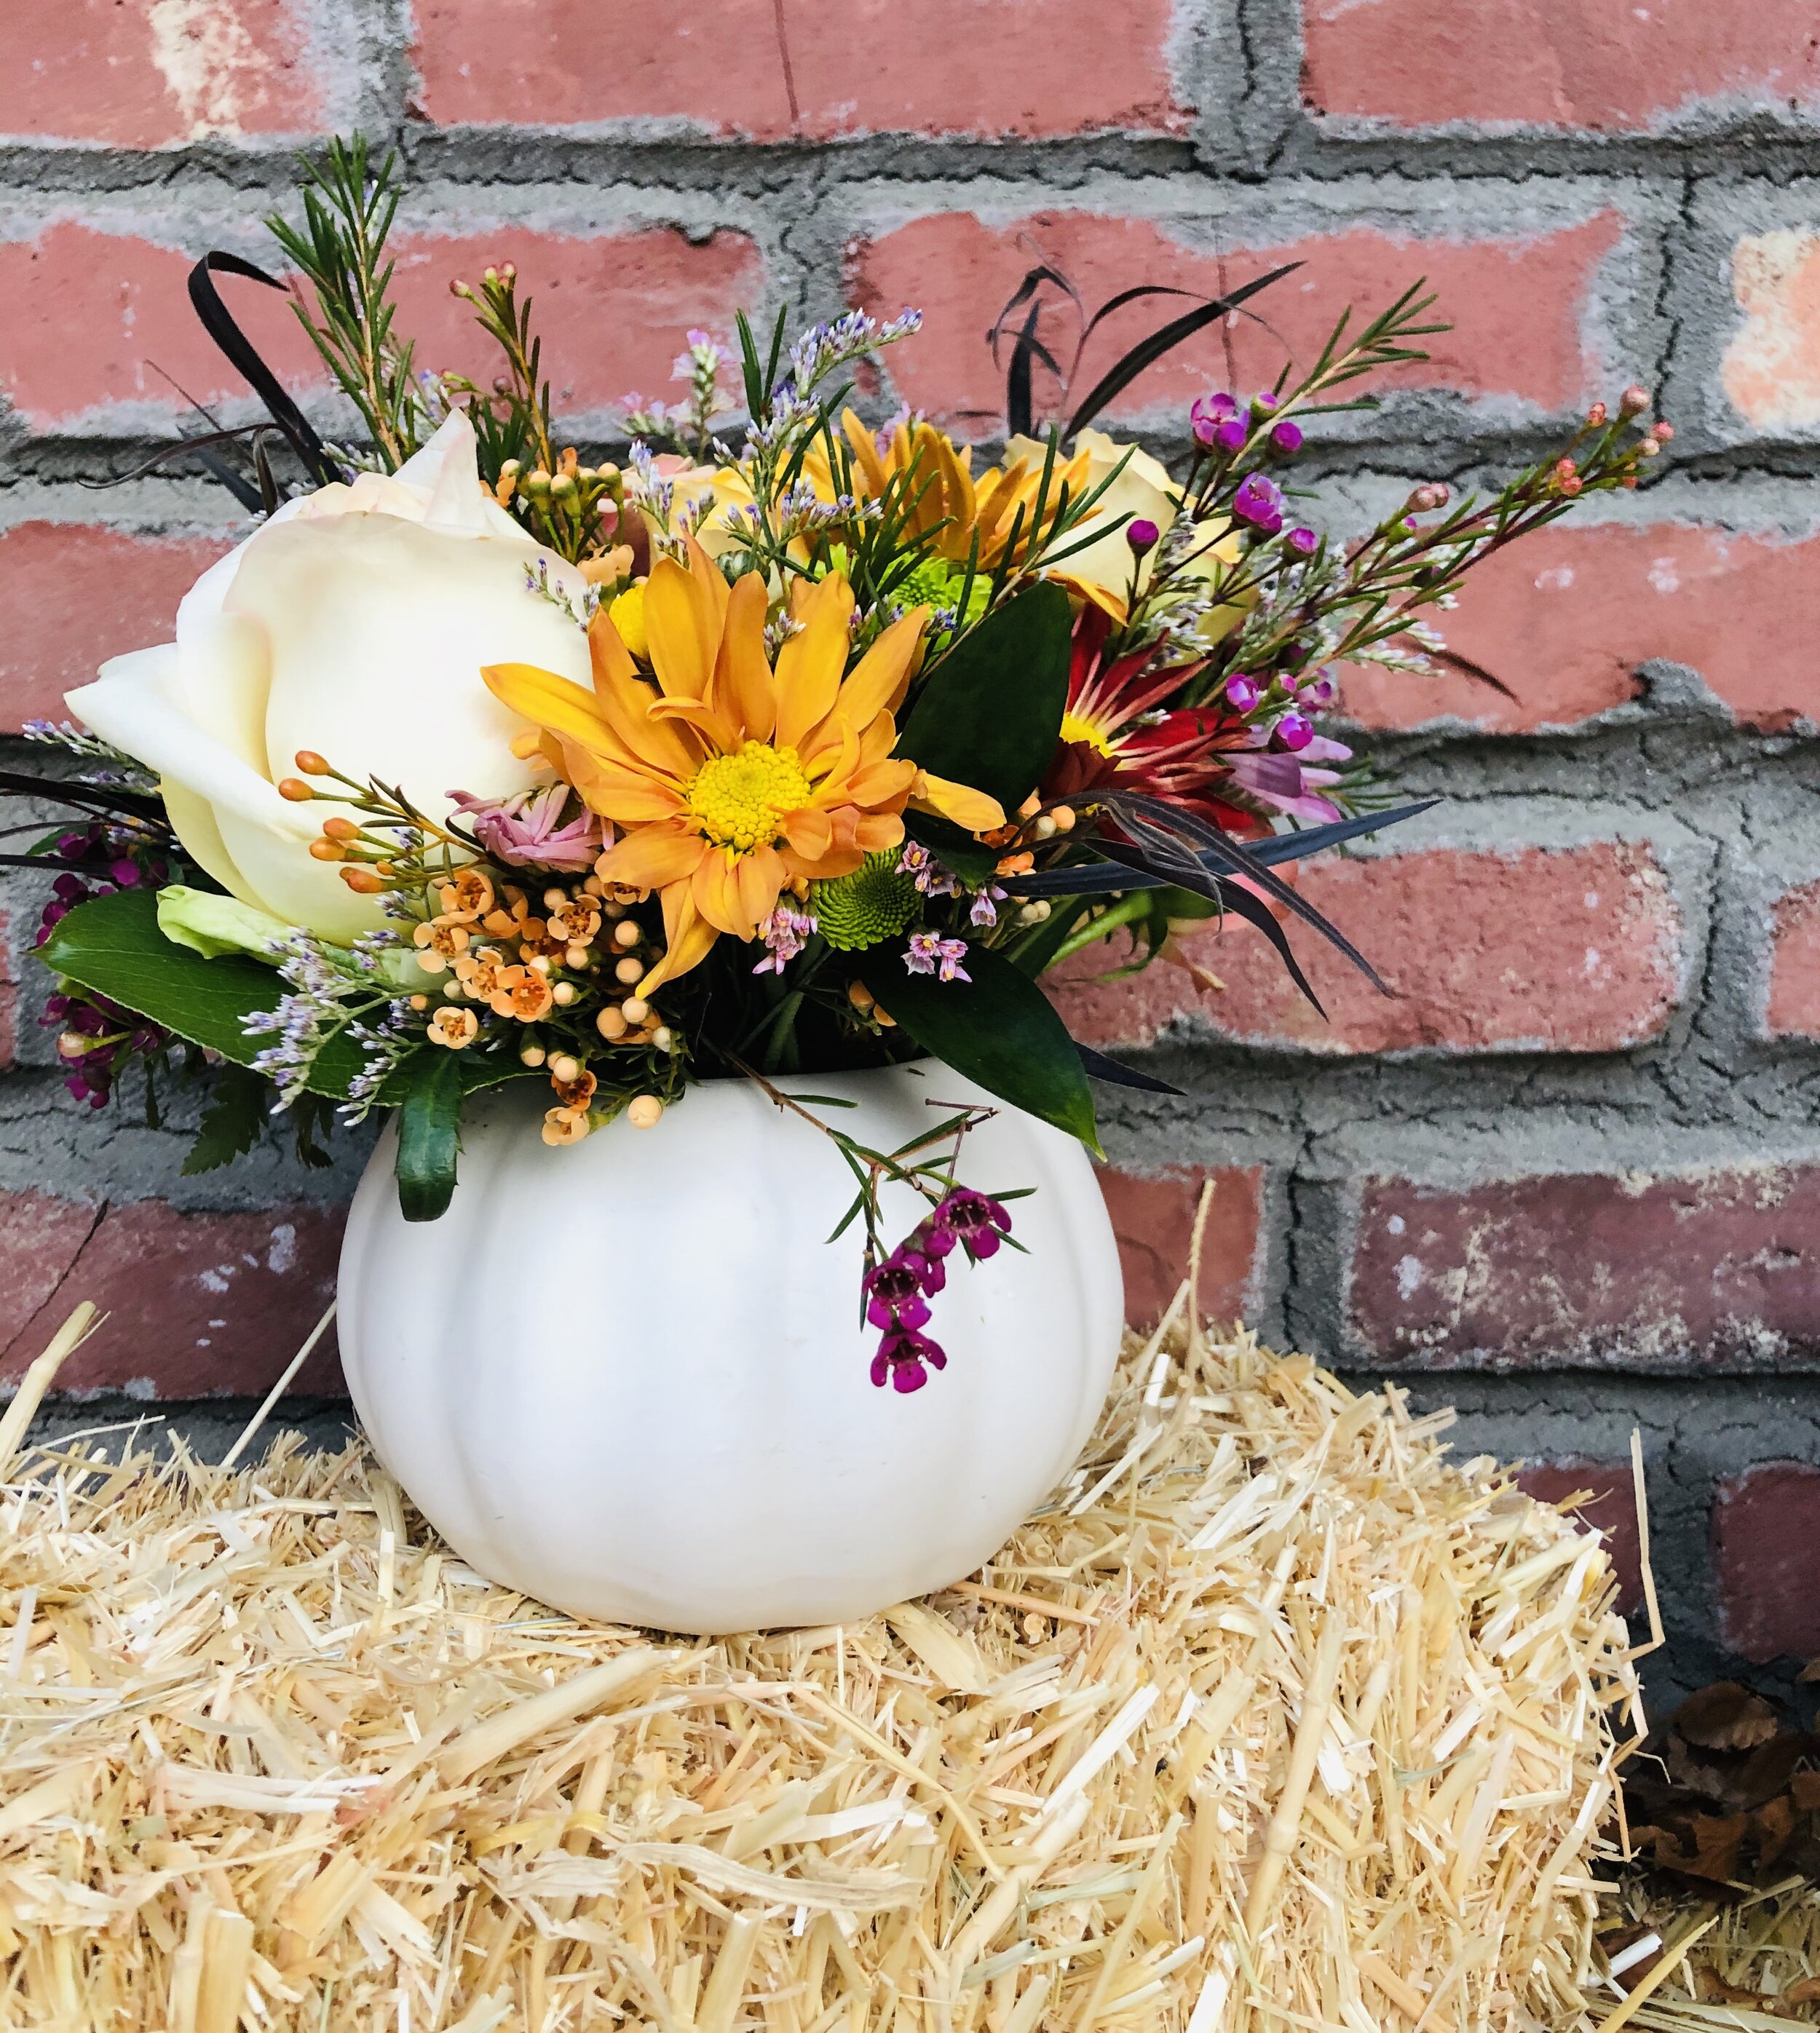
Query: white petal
[(378, 630)]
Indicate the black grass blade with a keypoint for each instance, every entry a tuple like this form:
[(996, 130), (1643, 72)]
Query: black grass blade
[(1164, 339), (1100, 878), (1166, 838), (1119, 1074), (216, 321), (1246, 903), (101, 798)]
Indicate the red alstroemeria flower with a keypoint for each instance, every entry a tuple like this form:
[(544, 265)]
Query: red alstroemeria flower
[(1115, 734)]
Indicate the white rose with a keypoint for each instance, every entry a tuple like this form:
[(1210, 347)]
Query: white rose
[(354, 622)]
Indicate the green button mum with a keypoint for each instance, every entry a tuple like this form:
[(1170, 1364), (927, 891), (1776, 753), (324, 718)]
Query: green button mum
[(872, 904)]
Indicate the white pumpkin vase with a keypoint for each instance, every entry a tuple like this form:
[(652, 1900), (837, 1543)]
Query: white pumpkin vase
[(629, 1377)]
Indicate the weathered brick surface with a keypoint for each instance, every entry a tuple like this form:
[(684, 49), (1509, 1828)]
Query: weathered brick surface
[(75, 594), (1794, 1010), (1606, 66), (199, 1305), (147, 75), (1518, 301), (1667, 1273), (1567, 950), (1765, 1527), (97, 316), (1565, 618), (1154, 1216), (1609, 1507), (919, 66), (1772, 362)]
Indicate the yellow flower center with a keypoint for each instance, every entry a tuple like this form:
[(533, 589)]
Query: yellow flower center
[(739, 801), (1076, 729)]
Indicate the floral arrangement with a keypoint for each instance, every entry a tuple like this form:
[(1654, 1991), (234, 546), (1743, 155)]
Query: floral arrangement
[(479, 761)]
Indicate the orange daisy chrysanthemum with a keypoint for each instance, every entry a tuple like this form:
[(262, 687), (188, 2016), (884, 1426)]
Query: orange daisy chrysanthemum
[(730, 777)]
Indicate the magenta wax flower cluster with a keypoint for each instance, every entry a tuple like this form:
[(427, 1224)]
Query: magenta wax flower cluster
[(897, 1291), (96, 1036)]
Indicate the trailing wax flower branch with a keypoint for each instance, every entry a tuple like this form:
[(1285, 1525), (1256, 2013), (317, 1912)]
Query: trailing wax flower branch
[(896, 1286)]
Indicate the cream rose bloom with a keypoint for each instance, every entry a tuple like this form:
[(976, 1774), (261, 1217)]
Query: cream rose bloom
[(355, 622), (1142, 493)]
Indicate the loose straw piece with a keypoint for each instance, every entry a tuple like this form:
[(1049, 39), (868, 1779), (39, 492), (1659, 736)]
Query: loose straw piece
[(1279, 1839), (39, 1377), (1642, 1499), (497, 1737), (279, 1389)]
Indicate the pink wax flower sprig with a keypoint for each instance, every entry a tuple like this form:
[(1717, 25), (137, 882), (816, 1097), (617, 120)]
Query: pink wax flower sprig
[(898, 1290)]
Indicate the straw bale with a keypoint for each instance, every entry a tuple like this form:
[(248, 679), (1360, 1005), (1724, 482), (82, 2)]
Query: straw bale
[(1273, 1718)]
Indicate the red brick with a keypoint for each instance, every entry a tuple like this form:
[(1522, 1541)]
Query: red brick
[(613, 310), (58, 629), (1610, 1509), (97, 309), (920, 67), (1608, 65), (1715, 1269), (1153, 1217), (1765, 1527), (1771, 369), (1565, 618), (1571, 949), (1794, 974), (144, 77), (199, 1305), (1519, 304), (89, 312)]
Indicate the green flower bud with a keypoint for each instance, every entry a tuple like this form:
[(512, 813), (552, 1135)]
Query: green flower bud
[(864, 909)]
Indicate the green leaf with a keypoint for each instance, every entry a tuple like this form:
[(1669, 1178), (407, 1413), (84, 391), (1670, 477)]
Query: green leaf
[(990, 713), (112, 946), (233, 1122), (429, 1135), (999, 1028), (954, 849)]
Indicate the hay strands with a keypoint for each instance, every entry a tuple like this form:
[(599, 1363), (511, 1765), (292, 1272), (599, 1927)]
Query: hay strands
[(1292, 1724)]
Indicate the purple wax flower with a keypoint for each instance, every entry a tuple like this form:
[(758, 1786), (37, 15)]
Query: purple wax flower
[(974, 1220), (895, 1290), (1303, 542), (1141, 535), (1286, 437), (1258, 502), (1295, 730), (1320, 690), (1242, 693), (1208, 413), (1232, 435)]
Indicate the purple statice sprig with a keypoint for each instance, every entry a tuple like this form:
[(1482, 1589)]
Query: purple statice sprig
[(332, 989), (784, 933), (928, 953)]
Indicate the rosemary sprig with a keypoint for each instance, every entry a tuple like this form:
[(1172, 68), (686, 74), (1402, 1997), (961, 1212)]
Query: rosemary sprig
[(348, 208)]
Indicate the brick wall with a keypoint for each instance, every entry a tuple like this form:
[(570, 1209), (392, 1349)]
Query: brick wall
[(1569, 1173)]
